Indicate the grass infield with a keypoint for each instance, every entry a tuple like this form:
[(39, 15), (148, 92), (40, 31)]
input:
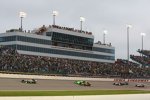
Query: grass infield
[(70, 93)]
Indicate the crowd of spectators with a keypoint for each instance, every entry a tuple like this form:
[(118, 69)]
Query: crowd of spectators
[(131, 69), (144, 52), (143, 59), (71, 29), (42, 29), (100, 43), (10, 60)]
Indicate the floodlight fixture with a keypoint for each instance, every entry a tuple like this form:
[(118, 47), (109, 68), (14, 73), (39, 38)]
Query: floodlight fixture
[(104, 35), (22, 15), (129, 26), (55, 13), (105, 32), (82, 19), (143, 34)]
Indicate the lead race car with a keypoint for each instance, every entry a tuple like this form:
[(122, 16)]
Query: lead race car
[(82, 83), (29, 81)]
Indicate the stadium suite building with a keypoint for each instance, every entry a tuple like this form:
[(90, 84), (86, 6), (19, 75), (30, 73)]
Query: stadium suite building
[(60, 42)]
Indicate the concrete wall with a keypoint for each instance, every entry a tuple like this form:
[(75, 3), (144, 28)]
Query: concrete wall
[(100, 97), (53, 77)]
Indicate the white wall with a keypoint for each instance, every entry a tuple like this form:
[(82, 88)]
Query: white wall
[(96, 97), (53, 77)]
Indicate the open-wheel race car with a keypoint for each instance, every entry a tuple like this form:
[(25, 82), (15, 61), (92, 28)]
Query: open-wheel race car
[(120, 83), (82, 83), (139, 85), (29, 81)]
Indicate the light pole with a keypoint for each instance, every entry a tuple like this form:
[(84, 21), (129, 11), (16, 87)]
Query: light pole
[(22, 15), (82, 19), (55, 13), (142, 34), (104, 35), (128, 28)]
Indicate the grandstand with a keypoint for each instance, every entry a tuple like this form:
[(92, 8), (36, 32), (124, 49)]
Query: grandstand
[(56, 50), (144, 59), (12, 61)]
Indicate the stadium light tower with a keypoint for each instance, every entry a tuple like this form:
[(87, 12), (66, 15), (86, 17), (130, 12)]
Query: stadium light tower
[(104, 35), (142, 34), (128, 28), (22, 15), (55, 13), (82, 19)]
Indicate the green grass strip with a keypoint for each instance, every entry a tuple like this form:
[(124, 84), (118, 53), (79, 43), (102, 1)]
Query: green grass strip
[(70, 93)]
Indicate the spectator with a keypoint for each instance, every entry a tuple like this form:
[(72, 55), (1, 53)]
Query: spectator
[(10, 60)]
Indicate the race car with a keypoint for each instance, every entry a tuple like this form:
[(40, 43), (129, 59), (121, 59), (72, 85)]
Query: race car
[(140, 85), (124, 83), (120, 83), (82, 83), (117, 84), (29, 81)]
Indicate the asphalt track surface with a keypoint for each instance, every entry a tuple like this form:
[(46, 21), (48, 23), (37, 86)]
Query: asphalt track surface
[(60, 85)]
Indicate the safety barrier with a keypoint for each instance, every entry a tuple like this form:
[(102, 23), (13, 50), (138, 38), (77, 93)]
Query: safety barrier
[(53, 77), (71, 78), (96, 97)]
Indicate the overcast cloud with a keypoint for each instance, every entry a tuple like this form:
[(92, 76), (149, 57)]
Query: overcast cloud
[(112, 15)]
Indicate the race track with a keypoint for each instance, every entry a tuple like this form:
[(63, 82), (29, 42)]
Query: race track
[(49, 84)]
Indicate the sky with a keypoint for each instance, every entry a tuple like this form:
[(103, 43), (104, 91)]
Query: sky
[(110, 15)]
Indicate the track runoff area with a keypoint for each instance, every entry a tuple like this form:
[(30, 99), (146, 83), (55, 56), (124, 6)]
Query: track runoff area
[(11, 85)]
